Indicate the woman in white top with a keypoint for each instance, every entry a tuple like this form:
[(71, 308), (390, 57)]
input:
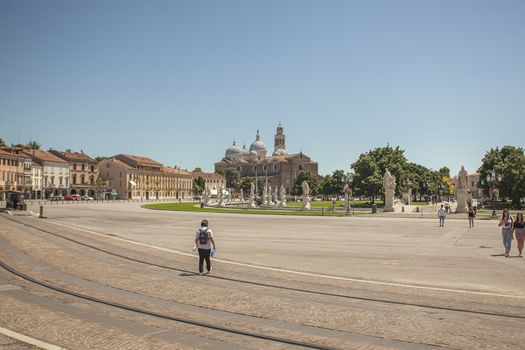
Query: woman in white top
[(506, 232)]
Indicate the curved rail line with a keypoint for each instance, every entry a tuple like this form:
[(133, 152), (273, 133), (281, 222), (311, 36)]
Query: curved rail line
[(163, 316), (385, 301)]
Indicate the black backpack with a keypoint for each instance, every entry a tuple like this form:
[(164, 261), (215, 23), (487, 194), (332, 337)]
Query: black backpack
[(203, 236)]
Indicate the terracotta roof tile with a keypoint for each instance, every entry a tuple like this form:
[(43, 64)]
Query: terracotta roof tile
[(44, 156), (74, 156), (141, 159)]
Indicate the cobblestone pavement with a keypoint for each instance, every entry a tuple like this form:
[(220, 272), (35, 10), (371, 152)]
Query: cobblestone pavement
[(355, 322)]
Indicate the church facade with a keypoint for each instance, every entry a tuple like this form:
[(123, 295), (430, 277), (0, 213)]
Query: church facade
[(281, 168)]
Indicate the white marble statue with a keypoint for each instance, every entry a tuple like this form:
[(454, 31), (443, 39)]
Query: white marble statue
[(461, 191), (242, 196), (389, 183), (207, 195), (251, 202), (221, 197), (346, 191), (276, 196), (306, 193), (282, 195), (265, 196)]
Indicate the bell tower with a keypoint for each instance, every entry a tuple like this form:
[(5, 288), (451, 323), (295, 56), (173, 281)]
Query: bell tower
[(279, 139)]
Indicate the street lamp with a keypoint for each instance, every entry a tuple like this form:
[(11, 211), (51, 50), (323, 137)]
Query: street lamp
[(348, 191), (495, 179)]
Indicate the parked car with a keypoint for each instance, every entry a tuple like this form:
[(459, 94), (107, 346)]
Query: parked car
[(73, 197), (86, 198), (57, 198)]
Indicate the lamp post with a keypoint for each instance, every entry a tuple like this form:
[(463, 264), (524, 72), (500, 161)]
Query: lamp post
[(495, 179), (348, 191)]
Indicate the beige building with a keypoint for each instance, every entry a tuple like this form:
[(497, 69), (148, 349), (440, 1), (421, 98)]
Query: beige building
[(135, 177), (84, 174)]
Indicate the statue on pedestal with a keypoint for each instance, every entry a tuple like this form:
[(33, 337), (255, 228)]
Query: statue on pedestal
[(346, 205), (389, 184), (221, 197), (282, 195), (306, 193), (241, 197), (461, 191), (251, 202), (265, 196), (270, 202)]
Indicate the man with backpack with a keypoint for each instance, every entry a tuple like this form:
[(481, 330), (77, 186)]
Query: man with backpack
[(203, 241)]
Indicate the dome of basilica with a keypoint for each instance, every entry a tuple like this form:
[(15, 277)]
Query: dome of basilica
[(258, 146), (233, 152)]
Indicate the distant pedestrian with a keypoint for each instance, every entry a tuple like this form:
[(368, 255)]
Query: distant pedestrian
[(446, 207), (203, 241), (506, 226), (471, 214), (442, 213), (518, 231)]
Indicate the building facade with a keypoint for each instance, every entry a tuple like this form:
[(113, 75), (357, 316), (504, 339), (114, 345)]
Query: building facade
[(136, 177), (281, 168), (55, 172), (11, 170), (84, 174)]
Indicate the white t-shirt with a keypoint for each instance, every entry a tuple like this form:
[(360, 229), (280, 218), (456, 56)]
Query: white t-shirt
[(442, 212), (210, 235)]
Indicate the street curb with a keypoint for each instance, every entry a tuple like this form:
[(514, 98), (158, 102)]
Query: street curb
[(29, 340)]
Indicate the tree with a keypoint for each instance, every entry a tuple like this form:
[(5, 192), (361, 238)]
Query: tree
[(197, 170), (99, 158), (333, 184), (367, 179), (2, 143), (310, 178), (34, 145), (508, 164), (384, 158), (246, 184), (198, 185), (232, 175)]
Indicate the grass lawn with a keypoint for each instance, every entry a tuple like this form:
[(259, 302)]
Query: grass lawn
[(194, 206)]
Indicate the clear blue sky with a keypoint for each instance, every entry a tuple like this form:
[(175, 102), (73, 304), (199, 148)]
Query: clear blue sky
[(178, 81)]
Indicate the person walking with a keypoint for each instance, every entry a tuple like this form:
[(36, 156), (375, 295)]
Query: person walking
[(471, 215), (506, 226), (203, 241), (442, 213), (518, 230)]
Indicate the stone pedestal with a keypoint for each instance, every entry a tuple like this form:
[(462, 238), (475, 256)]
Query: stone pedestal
[(389, 200), (346, 205), (306, 203), (461, 200), (251, 203)]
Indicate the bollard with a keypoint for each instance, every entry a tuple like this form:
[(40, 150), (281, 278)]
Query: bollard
[(41, 216)]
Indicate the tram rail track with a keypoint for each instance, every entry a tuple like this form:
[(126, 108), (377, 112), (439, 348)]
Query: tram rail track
[(142, 311), (268, 285)]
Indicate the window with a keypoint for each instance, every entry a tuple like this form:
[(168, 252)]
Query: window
[(265, 167), (300, 167), (275, 167), (92, 168), (83, 167), (74, 166), (239, 168)]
